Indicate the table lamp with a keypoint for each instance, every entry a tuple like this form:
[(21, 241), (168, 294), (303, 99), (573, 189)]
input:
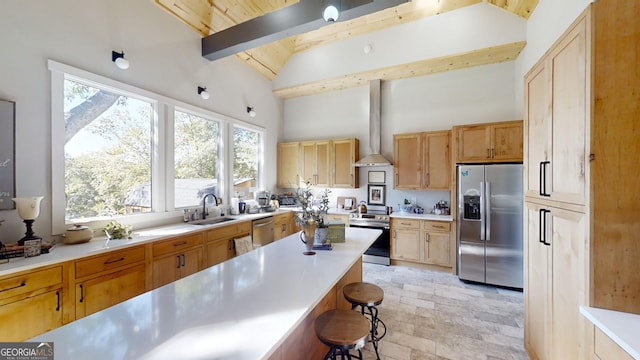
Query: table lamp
[(28, 210)]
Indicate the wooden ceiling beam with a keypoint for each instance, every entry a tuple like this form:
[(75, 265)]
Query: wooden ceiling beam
[(522, 8), (486, 56)]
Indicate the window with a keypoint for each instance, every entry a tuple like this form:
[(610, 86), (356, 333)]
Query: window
[(196, 144), (107, 152), (247, 155), (121, 151)]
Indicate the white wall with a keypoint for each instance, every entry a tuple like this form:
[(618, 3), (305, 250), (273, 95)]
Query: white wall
[(165, 58), (434, 102), (549, 20)]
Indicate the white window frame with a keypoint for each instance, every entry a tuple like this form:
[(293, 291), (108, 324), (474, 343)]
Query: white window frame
[(162, 167)]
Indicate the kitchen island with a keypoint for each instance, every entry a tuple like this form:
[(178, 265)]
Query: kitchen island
[(248, 307)]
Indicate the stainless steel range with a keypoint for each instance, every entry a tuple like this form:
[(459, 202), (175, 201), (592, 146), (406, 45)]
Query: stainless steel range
[(379, 252)]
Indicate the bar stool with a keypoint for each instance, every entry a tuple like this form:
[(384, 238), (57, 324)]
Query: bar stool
[(342, 330), (367, 296)]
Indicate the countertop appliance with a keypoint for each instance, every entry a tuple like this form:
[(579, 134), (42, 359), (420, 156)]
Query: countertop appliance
[(489, 224), (380, 251), (288, 201)]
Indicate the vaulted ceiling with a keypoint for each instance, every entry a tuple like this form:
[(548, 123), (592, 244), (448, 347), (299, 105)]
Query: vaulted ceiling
[(209, 16)]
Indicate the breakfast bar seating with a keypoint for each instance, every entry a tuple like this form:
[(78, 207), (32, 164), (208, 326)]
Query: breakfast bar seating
[(367, 297), (342, 330)]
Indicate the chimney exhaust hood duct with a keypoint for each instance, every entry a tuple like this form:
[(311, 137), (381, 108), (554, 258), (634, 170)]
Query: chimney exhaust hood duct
[(374, 158)]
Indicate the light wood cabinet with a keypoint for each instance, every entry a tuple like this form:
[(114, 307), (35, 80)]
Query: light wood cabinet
[(344, 153), (436, 244), (421, 241), (176, 258), (282, 225), (605, 348), (556, 259), (436, 160), (407, 161), (324, 163), (422, 160), (288, 165), (220, 246), (580, 127), (556, 152), (107, 279), (315, 162), (31, 303), (492, 142)]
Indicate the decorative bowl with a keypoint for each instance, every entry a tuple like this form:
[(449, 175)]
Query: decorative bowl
[(406, 208)]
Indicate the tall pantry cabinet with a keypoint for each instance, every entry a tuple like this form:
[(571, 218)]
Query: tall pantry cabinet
[(582, 205)]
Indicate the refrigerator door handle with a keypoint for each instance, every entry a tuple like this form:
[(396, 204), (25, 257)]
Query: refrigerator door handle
[(487, 211), (482, 212)]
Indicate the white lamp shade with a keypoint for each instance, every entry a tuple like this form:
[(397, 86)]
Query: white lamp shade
[(330, 13), (205, 95), (29, 207)]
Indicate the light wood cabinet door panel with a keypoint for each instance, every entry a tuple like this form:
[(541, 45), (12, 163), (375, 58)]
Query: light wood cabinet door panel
[(437, 248), (288, 165), (26, 318), (537, 282), (566, 173), (506, 141), (103, 291), (405, 244), (407, 161), (474, 143), (437, 161), (537, 122), (344, 154)]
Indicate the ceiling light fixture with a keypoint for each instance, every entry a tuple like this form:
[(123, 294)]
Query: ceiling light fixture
[(330, 13), (251, 112), (202, 91), (118, 58)]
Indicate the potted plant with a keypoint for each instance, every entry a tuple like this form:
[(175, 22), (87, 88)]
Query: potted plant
[(312, 215), (114, 230)]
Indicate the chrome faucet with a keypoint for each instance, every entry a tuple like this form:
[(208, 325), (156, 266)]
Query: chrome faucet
[(204, 204)]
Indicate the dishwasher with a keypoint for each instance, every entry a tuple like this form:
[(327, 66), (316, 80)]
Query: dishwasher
[(262, 231)]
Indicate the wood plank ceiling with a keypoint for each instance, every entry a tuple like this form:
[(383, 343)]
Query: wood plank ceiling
[(209, 16)]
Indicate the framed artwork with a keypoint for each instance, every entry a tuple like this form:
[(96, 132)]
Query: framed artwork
[(376, 194), (7, 167), (376, 177)]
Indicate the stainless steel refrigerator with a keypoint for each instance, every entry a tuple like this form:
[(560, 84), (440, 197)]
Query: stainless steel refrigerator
[(489, 224)]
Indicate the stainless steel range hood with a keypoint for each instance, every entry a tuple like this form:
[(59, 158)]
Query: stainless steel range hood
[(374, 158)]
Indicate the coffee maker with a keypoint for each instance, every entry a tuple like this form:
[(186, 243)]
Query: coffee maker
[(263, 198)]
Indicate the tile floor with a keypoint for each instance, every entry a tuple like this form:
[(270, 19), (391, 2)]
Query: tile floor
[(433, 315)]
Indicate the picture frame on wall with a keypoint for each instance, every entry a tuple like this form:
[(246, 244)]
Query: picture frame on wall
[(376, 177), (376, 194)]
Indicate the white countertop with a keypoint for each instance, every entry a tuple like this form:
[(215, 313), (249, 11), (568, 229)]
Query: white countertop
[(242, 308), (623, 328), (405, 215), (99, 244)]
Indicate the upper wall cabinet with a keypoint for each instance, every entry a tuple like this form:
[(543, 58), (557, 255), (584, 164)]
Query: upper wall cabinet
[(315, 162), (494, 142), (288, 167), (344, 153), (325, 163), (422, 160)]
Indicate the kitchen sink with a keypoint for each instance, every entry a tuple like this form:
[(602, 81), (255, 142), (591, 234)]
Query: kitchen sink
[(212, 221)]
